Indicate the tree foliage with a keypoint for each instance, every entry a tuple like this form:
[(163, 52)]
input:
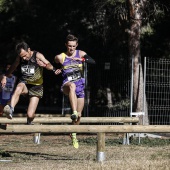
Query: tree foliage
[(101, 26)]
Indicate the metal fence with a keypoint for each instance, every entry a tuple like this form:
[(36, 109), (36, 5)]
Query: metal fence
[(158, 90), (112, 98), (107, 91)]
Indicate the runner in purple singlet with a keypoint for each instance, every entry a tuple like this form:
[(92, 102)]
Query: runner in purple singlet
[(73, 81)]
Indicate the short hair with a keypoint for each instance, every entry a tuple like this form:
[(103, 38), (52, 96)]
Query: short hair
[(21, 45), (71, 37)]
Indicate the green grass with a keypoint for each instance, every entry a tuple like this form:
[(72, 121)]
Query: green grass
[(150, 142)]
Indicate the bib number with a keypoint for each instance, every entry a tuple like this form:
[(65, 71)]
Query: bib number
[(28, 70), (75, 75), (8, 88)]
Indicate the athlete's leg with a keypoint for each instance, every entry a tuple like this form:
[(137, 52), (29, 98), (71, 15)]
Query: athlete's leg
[(20, 89), (33, 103), (69, 89), (80, 106), (1, 110), (9, 109)]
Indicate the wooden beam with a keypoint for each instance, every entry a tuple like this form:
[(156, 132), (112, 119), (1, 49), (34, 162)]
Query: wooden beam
[(84, 128), (23, 120)]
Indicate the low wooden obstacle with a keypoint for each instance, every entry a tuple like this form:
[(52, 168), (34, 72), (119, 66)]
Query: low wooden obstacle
[(84, 120), (49, 120), (99, 129), (84, 128), (60, 120)]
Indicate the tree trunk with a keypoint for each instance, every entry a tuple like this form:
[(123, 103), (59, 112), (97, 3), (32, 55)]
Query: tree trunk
[(135, 53)]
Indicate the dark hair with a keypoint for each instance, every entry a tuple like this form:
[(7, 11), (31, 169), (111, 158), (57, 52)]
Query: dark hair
[(21, 45), (71, 37)]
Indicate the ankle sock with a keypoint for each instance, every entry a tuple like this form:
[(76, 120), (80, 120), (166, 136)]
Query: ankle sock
[(75, 112), (73, 135), (12, 108)]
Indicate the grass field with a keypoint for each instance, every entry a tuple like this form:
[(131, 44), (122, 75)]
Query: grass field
[(55, 152)]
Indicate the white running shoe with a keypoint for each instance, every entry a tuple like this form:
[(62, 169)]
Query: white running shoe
[(8, 111)]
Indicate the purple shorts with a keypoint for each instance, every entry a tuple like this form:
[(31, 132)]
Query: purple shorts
[(79, 87)]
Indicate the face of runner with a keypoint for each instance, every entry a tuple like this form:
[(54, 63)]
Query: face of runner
[(71, 47), (8, 66), (25, 55)]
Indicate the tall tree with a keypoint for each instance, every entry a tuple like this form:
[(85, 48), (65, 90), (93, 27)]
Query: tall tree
[(139, 11), (136, 10)]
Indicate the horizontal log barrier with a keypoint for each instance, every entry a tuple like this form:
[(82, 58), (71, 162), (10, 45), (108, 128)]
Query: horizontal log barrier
[(84, 128), (49, 120), (99, 129)]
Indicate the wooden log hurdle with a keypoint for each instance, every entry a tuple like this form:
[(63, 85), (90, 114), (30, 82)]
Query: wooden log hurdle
[(11, 126), (99, 129), (60, 120), (90, 120), (84, 128)]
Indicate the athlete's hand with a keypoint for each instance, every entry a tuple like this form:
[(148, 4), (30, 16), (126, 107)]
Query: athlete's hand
[(3, 82), (58, 71)]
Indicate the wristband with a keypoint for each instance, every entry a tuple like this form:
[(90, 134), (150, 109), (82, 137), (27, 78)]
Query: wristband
[(54, 69), (83, 59), (88, 59)]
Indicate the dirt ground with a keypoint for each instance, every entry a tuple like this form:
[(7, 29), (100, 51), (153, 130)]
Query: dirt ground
[(55, 152)]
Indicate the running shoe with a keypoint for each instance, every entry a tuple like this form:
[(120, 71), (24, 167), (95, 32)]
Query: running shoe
[(74, 116), (8, 110), (75, 143), (29, 122)]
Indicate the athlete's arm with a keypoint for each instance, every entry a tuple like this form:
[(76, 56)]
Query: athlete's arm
[(1, 76), (59, 60), (13, 67), (10, 71), (43, 62), (86, 58)]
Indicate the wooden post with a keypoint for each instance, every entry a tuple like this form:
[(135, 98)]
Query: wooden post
[(100, 147), (126, 137), (36, 138)]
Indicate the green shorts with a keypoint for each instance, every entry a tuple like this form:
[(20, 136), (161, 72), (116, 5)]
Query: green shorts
[(35, 90)]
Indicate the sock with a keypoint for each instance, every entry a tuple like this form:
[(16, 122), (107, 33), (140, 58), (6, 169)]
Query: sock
[(29, 121), (73, 135), (75, 112), (11, 108)]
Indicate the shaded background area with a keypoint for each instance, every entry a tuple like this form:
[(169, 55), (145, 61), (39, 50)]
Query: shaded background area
[(101, 29)]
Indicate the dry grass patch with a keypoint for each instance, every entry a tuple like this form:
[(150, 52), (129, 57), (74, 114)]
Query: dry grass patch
[(56, 153)]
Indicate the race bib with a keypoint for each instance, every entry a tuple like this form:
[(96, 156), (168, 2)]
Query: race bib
[(8, 88), (73, 76), (28, 70)]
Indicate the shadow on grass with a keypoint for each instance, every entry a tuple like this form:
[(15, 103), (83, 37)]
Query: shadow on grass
[(42, 155)]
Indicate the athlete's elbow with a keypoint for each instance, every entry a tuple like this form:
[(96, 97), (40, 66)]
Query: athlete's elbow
[(49, 66)]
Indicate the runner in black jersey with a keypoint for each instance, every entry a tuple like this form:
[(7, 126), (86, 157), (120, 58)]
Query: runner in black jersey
[(31, 80)]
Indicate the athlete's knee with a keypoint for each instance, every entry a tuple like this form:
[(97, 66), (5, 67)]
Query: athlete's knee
[(18, 90), (30, 115), (72, 87)]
